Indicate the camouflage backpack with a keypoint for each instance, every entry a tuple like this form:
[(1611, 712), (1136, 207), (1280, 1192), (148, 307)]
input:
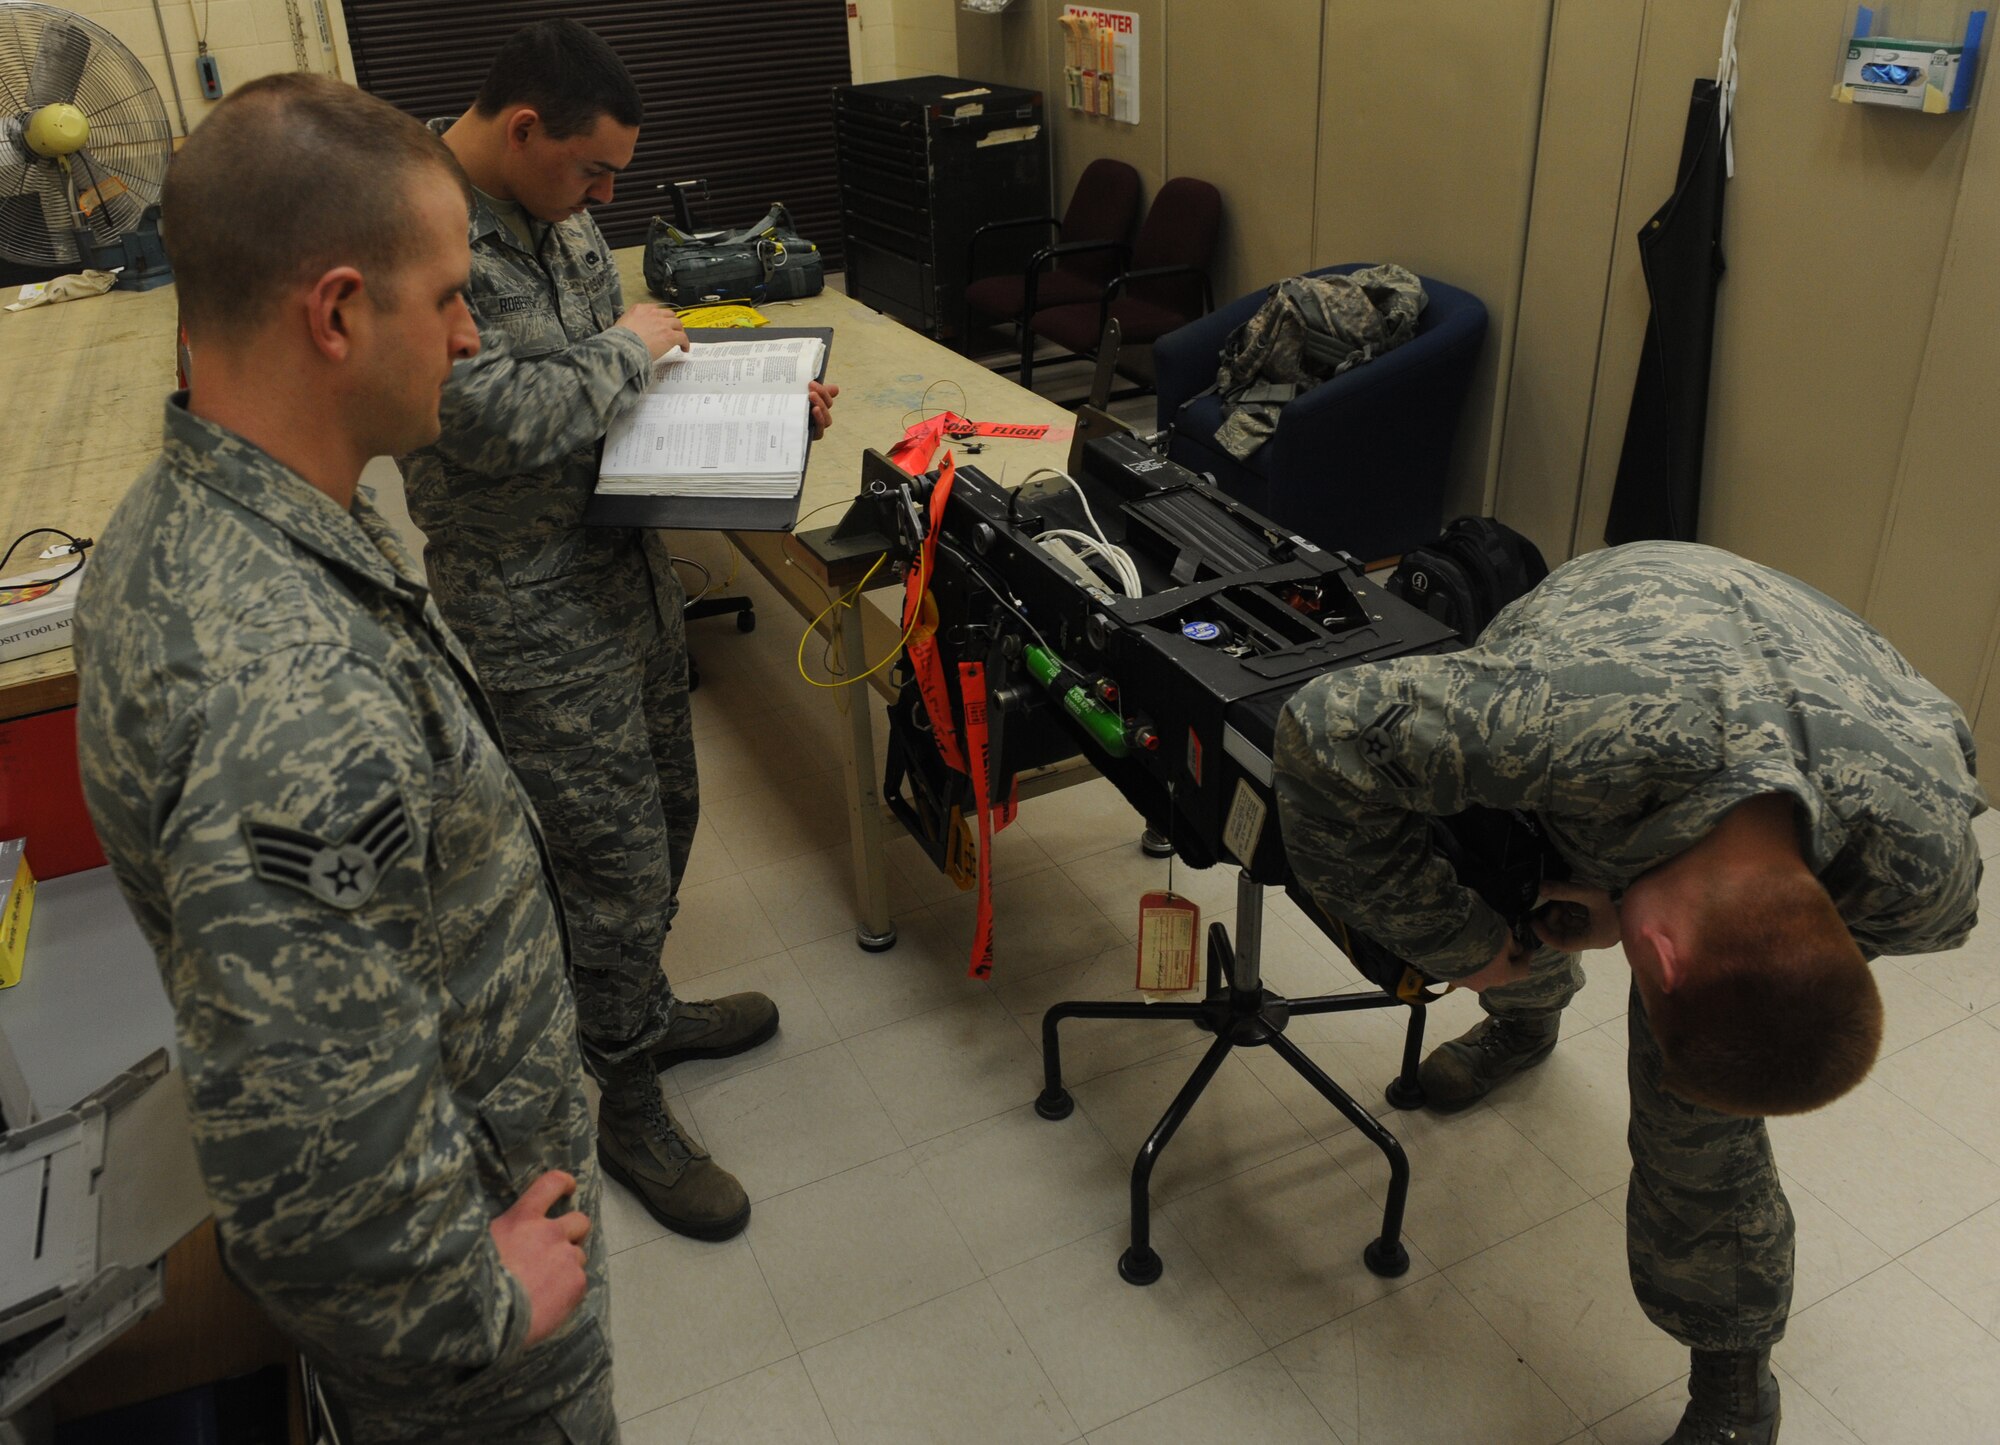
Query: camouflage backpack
[(1309, 329)]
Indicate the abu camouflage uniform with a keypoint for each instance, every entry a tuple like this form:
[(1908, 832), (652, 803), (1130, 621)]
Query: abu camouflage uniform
[(298, 788), (1310, 329), (576, 630), (1629, 702)]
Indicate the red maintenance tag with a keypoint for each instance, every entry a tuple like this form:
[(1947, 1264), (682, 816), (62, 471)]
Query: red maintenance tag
[(1168, 927), (958, 426), (920, 626), (972, 687)]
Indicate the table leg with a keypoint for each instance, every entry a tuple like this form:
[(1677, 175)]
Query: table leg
[(877, 931)]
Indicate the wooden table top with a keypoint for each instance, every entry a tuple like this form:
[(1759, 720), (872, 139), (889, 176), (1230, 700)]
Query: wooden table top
[(86, 381)]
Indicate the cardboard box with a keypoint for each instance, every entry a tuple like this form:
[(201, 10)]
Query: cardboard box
[(35, 616)]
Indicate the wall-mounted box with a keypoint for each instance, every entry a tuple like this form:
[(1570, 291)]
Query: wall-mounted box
[(1923, 57)]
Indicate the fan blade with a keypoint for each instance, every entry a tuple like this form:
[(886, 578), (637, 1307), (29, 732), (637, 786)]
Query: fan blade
[(17, 162), (58, 67), (59, 213), (37, 227)]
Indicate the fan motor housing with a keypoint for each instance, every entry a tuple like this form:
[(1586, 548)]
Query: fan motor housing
[(56, 131)]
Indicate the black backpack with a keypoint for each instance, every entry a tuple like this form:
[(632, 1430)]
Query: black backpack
[(1471, 570), (768, 261)]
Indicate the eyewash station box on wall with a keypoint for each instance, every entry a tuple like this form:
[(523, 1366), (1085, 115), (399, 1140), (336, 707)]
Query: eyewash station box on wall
[(1913, 56)]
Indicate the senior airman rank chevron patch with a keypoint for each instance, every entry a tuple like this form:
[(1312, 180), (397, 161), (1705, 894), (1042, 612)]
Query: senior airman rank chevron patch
[(343, 874), (1378, 747)]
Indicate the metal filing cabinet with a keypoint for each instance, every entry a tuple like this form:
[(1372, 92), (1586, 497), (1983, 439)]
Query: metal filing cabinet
[(923, 163)]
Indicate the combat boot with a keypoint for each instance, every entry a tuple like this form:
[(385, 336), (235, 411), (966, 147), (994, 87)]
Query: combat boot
[(639, 1146), (1732, 1400), (1464, 1071), (715, 1030)]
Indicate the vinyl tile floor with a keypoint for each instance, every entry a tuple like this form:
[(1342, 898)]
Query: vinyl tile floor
[(930, 1261)]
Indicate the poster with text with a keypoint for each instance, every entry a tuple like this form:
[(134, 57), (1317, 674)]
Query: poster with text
[(1101, 61)]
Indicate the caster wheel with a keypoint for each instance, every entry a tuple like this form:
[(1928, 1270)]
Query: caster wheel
[(1054, 1104), (1139, 1265), (746, 622), (1386, 1257), (876, 942), (1405, 1096), (1155, 845)]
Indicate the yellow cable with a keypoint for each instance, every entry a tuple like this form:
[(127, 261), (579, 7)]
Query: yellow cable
[(848, 599)]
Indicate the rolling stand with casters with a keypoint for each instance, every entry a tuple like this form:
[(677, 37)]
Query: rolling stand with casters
[(1242, 1013)]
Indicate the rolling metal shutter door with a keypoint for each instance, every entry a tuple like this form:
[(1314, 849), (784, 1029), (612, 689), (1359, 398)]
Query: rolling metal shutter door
[(738, 93)]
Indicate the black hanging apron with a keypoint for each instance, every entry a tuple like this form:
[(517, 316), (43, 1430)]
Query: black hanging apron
[(1658, 492)]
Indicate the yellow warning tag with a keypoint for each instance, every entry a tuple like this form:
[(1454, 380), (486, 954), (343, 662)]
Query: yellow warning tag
[(109, 189), (1168, 927)]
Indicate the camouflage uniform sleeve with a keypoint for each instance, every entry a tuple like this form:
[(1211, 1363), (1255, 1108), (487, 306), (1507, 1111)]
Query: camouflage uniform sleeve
[(1933, 907), (617, 281), (309, 977), (504, 413), (1365, 756)]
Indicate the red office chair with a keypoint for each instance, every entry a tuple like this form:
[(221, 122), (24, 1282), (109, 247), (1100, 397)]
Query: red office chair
[(1091, 246), (1166, 287)]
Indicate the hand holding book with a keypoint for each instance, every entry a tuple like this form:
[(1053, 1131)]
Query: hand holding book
[(721, 419)]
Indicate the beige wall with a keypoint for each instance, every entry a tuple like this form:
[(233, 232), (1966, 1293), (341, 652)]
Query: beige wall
[(1854, 412), (1855, 405), (248, 38), (1936, 584), (1836, 214), (1023, 46), (1225, 131), (1317, 160), (1431, 171), (1214, 115), (890, 39)]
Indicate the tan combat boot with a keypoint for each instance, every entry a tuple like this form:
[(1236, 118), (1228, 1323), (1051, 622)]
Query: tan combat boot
[(715, 1030), (639, 1146), (1732, 1400), (1464, 1071)]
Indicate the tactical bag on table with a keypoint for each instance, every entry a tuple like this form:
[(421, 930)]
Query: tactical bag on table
[(769, 261)]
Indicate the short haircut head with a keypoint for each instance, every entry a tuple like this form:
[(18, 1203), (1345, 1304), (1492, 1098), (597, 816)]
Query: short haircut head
[(566, 73), (289, 177), (1778, 1012)]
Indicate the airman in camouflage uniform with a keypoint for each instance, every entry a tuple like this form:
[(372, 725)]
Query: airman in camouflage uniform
[(299, 788), (1631, 702), (578, 630)]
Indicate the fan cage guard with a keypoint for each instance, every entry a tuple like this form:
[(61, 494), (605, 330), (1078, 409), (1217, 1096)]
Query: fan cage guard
[(116, 176)]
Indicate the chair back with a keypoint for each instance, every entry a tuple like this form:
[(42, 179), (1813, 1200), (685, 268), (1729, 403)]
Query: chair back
[(1103, 207), (1182, 228)]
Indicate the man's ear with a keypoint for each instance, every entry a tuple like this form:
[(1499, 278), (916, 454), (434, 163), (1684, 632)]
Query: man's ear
[(522, 122), (331, 302), (1669, 965)]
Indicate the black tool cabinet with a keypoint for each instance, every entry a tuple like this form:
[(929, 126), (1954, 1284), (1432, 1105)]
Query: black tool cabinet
[(923, 163)]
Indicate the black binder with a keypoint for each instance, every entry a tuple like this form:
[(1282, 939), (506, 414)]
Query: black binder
[(715, 514)]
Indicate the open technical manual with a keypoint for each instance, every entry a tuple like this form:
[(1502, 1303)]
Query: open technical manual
[(725, 423)]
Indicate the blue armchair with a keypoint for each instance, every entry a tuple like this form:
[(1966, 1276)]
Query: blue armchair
[(1359, 462)]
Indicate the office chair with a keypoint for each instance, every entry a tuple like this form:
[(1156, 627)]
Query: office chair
[(1091, 243), (1165, 287)]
